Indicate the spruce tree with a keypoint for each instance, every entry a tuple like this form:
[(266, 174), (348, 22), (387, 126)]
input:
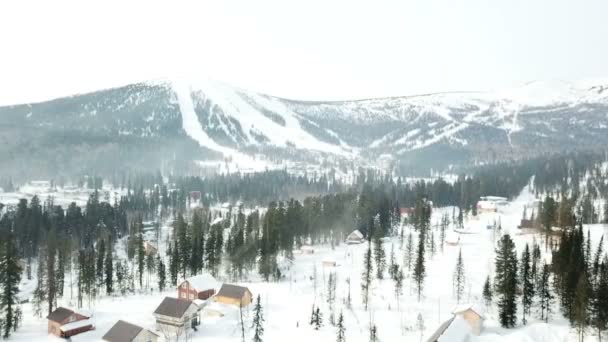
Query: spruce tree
[(10, 276), (581, 305), (341, 329), (459, 277), (258, 321), (373, 333), (419, 267), (487, 292), (527, 283), (366, 277), (109, 271), (600, 300), (318, 319), (379, 254), (505, 281), (161, 274), (409, 252), (545, 297)]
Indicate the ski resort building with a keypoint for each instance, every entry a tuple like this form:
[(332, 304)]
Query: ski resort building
[(126, 332), (66, 323), (176, 318), (201, 287), (355, 237), (234, 295)]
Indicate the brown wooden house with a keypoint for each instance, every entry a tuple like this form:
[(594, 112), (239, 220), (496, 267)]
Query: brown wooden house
[(234, 295), (66, 323), (201, 287)]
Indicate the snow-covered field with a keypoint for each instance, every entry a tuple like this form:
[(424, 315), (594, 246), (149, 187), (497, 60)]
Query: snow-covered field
[(288, 303)]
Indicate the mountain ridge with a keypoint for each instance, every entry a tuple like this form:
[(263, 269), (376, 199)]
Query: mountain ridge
[(211, 120)]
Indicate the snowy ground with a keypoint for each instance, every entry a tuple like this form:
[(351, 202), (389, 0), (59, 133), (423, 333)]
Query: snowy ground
[(287, 304)]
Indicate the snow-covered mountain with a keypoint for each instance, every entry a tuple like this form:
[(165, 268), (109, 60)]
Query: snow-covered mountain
[(180, 123)]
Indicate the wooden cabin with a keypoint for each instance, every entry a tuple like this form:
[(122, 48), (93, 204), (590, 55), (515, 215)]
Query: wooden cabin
[(150, 248), (126, 332), (176, 318), (65, 323), (355, 237), (201, 287), (472, 315), (234, 295)]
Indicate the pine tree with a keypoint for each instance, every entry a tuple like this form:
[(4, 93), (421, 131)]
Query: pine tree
[(109, 270), (373, 333), (161, 274), (173, 263), (600, 300), (487, 292), (258, 321), (506, 281), (581, 305), (526, 283), (140, 255), (545, 298), (409, 253), (398, 283), (39, 295), (459, 277), (10, 276), (318, 319), (366, 277), (419, 268), (379, 254), (341, 329)]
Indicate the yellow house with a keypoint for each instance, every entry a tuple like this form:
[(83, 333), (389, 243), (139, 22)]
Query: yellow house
[(234, 295), (472, 315)]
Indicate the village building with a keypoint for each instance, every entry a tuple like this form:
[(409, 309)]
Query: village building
[(355, 237), (526, 224), (466, 321), (150, 248), (452, 238), (234, 295), (329, 263), (176, 318), (195, 196), (406, 211), (126, 332), (472, 314), (307, 250), (66, 323), (200, 287)]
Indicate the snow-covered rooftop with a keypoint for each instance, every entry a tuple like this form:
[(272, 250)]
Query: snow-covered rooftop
[(76, 325), (203, 282)]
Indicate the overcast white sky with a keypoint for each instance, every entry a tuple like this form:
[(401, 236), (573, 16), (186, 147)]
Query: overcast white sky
[(305, 50)]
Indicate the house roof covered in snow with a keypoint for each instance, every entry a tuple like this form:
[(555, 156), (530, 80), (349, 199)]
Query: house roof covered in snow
[(173, 307), (355, 234), (202, 282), (232, 291), (76, 325), (122, 332)]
